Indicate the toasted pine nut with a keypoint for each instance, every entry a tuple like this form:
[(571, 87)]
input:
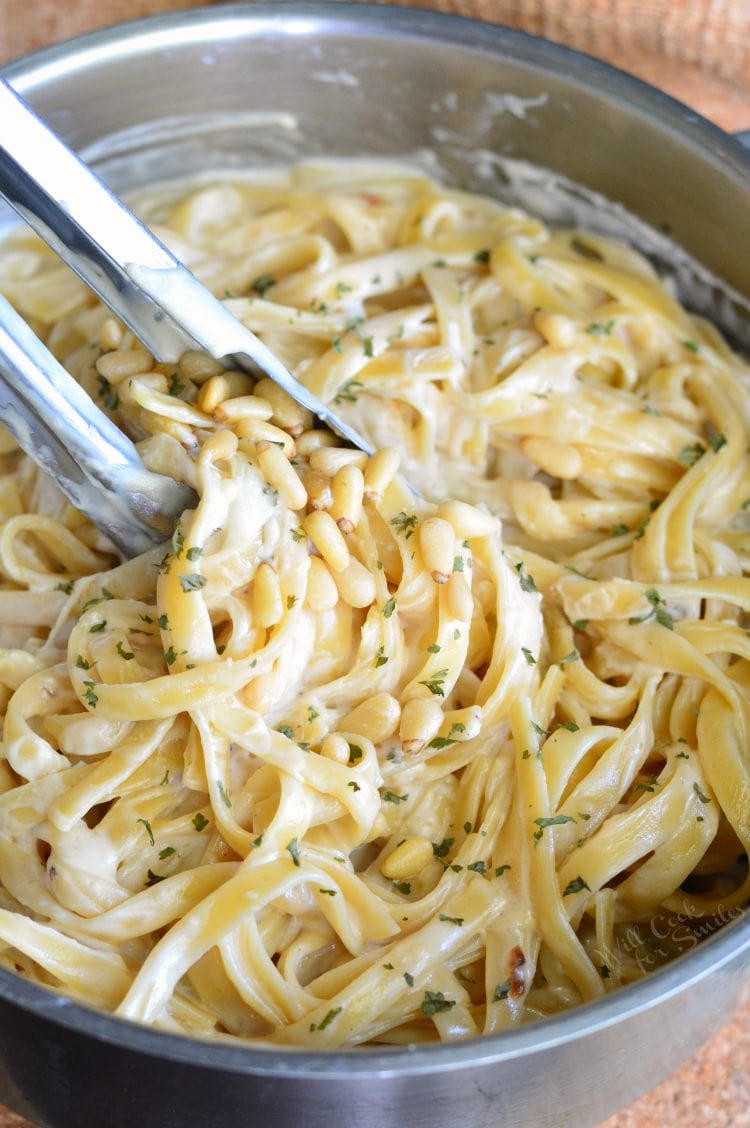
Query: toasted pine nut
[(110, 334), (335, 747), (198, 366), (322, 592), (327, 538), (318, 490), (558, 459), (268, 606), (280, 475), (258, 430), (287, 413), (458, 598), (329, 460), (222, 444), (376, 718), (355, 584), (262, 693), (347, 490), (438, 543), (408, 859), (241, 407), (380, 470), (421, 719), (223, 387), (116, 366), (467, 520), (557, 329), (314, 440)]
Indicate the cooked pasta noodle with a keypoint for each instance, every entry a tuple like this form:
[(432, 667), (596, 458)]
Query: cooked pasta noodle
[(340, 765)]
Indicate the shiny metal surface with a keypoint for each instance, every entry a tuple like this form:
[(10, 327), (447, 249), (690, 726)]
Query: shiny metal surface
[(255, 85), (132, 272), (92, 461)]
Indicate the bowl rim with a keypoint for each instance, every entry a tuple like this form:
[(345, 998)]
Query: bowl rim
[(726, 946)]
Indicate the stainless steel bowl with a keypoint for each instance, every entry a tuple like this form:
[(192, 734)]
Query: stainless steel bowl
[(262, 84)]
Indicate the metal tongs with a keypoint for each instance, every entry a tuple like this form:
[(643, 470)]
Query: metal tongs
[(48, 413)]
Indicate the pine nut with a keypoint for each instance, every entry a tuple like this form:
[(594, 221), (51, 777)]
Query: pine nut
[(227, 385), (458, 598), (335, 747), (355, 584), (287, 413), (110, 334), (258, 430), (556, 329), (327, 538), (558, 459), (329, 460), (318, 490), (222, 444), (314, 440), (280, 475), (438, 543), (241, 407), (421, 719), (262, 693), (408, 859), (116, 366), (268, 605), (376, 718), (198, 366), (347, 491), (322, 592), (467, 520), (380, 471)]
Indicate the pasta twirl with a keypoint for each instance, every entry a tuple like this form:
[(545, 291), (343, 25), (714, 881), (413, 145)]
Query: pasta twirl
[(339, 765)]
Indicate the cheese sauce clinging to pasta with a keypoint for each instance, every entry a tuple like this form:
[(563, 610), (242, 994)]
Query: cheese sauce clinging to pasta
[(340, 765)]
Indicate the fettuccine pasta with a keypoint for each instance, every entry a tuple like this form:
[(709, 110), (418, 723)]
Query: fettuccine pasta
[(344, 763)]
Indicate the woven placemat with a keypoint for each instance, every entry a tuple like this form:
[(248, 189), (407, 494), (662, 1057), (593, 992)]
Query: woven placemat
[(697, 50)]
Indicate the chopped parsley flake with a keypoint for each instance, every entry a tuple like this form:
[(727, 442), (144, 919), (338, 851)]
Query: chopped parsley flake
[(451, 920), (355, 753), (435, 1002), (703, 798), (262, 283), (82, 664), (405, 523), (658, 611), (502, 991), (440, 849), (167, 852), (346, 394), (91, 698), (294, 851), (354, 785), (192, 582), (690, 454), (391, 797), (200, 822), (98, 627), (576, 886), (403, 887), (435, 684), (148, 829), (528, 656), (107, 394), (526, 581), (597, 330), (555, 820), (389, 607), (223, 793), (329, 1017)]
